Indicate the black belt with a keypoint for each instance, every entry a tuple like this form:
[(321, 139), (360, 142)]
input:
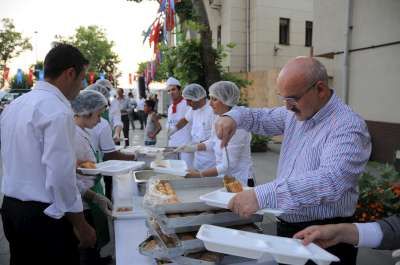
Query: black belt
[(335, 220), (36, 204)]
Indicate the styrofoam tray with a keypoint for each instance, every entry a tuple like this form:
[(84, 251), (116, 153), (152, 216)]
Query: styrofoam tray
[(257, 246), (173, 167), (146, 150), (113, 167), (220, 198)]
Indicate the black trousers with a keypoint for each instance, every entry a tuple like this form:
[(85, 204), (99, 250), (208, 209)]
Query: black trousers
[(36, 238), (345, 252), (125, 129)]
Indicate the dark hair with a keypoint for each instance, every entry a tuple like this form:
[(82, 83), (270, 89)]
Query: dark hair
[(179, 87), (61, 57), (150, 103)]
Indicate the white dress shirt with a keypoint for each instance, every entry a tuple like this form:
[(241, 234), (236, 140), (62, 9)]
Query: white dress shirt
[(202, 123), (37, 136), (101, 136), (140, 104), (182, 136)]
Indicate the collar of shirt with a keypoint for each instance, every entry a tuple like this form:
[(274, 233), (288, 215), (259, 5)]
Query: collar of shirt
[(46, 86), (326, 110)]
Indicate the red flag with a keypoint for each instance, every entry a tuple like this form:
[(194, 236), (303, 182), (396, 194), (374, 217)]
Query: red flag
[(169, 17), (91, 77), (130, 78), (6, 71)]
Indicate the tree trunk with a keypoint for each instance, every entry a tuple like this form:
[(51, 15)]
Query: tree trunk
[(211, 72)]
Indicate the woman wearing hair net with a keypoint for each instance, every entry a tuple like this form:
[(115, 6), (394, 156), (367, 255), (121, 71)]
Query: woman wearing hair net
[(202, 118), (235, 159), (88, 107)]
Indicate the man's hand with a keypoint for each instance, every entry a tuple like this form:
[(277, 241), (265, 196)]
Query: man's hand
[(186, 148), (86, 235), (104, 203), (244, 203), (151, 135), (329, 235), (225, 128)]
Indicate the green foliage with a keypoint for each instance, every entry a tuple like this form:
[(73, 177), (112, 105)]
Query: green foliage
[(260, 139), (93, 43), (23, 85), (379, 189), (12, 44), (39, 65)]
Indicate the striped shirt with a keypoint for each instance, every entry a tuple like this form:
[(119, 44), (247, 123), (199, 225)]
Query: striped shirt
[(320, 161)]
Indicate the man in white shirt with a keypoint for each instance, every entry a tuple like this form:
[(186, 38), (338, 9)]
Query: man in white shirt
[(142, 116), (202, 117), (42, 207), (124, 106), (177, 111)]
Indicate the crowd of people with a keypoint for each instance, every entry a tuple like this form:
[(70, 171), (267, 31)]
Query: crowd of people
[(54, 214)]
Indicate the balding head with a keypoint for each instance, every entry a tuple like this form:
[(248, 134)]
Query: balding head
[(297, 79)]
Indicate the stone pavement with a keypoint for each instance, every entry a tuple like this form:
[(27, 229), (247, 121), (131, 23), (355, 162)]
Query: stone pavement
[(265, 165)]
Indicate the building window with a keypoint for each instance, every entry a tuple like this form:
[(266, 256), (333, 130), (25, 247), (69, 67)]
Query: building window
[(309, 26), (284, 26), (219, 36)]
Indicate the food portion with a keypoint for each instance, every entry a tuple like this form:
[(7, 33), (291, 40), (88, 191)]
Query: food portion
[(124, 209), (232, 185), (88, 164), (165, 188)]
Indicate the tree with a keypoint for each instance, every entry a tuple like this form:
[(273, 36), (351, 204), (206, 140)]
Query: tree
[(190, 11), (12, 44), (94, 45)]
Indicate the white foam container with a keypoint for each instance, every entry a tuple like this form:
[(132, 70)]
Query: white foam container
[(173, 167), (259, 246), (113, 167), (220, 198)]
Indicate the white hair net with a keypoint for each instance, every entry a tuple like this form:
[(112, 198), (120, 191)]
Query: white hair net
[(106, 83), (87, 102), (99, 88), (194, 92), (173, 82), (225, 91)]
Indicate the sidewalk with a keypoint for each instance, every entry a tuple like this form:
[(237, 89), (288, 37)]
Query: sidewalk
[(265, 165)]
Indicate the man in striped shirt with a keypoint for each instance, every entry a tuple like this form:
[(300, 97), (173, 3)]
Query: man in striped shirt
[(325, 149)]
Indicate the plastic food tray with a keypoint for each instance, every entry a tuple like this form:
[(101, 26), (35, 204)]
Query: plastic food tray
[(173, 167), (220, 198), (142, 177), (258, 246), (145, 150), (113, 167)]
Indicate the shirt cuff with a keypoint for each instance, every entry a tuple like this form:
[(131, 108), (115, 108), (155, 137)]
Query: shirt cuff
[(266, 195), (55, 212), (369, 235)]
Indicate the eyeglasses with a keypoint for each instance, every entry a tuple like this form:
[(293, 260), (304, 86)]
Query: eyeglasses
[(295, 99)]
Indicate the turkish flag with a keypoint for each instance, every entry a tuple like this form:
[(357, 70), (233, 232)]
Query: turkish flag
[(6, 72), (91, 77)]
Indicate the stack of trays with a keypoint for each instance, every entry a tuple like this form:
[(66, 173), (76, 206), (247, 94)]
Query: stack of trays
[(173, 227)]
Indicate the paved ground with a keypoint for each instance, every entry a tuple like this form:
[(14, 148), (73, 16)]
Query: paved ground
[(265, 169)]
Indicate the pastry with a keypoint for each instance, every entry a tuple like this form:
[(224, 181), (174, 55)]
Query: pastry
[(87, 164), (152, 244), (232, 185)]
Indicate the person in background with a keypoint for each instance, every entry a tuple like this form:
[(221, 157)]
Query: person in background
[(88, 107), (177, 111), (235, 159), (132, 108), (124, 105), (141, 113), (42, 209), (153, 126), (325, 149), (201, 117), (113, 115)]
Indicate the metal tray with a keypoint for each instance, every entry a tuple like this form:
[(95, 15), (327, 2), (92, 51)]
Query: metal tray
[(180, 224), (188, 192), (142, 177)]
